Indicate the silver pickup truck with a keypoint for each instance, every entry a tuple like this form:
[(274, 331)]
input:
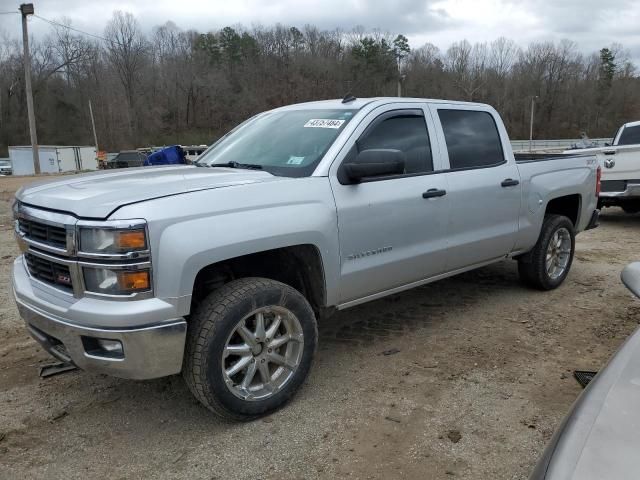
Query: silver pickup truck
[(221, 270)]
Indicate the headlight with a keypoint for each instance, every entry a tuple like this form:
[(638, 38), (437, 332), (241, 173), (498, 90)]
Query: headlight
[(116, 282), (112, 240), (101, 243)]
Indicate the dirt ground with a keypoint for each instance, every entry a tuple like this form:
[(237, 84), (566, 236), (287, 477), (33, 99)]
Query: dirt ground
[(481, 378)]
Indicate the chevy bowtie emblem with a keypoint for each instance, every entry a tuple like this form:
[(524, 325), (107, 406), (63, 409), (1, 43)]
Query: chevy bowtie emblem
[(609, 163)]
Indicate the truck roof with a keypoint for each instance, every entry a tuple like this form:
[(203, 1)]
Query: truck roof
[(631, 124), (359, 103)]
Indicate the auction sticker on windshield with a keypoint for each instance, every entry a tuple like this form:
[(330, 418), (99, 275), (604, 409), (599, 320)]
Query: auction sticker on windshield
[(323, 123)]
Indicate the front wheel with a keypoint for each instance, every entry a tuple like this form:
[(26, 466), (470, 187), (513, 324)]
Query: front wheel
[(250, 347), (547, 265)]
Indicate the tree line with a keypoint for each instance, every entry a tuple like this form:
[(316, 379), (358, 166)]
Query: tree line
[(183, 86)]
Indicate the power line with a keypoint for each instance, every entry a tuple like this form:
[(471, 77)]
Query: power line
[(9, 13), (56, 24)]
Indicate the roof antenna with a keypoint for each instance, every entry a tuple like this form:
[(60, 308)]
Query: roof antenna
[(348, 98)]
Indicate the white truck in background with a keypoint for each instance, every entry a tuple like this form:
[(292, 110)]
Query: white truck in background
[(620, 163)]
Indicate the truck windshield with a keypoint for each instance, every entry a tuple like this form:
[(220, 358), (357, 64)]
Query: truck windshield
[(287, 143)]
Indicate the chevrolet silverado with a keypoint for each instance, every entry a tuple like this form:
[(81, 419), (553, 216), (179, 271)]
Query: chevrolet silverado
[(221, 270)]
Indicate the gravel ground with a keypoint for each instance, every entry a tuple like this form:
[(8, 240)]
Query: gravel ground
[(480, 380)]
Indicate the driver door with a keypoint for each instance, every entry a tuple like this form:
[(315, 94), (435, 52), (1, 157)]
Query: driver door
[(392, 229)]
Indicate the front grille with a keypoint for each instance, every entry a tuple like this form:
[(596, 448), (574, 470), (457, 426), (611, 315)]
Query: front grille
[(49, 272), (55, 236)]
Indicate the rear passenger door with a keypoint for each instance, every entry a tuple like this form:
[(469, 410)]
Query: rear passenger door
[(483, 185), (391, 231)]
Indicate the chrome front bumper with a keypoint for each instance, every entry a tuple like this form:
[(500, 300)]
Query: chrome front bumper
[(151, 350)]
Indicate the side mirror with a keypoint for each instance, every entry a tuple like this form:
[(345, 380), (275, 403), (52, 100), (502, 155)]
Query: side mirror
[(631, 278), (607, 144), (375, 163)]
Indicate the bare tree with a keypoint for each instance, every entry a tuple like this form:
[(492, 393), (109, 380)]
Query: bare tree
[(468, 64), (126, 52), (503, 54), (184, 86)]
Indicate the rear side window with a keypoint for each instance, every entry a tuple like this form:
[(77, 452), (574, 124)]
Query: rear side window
[(407, 133), (630, 136), (472, 138)]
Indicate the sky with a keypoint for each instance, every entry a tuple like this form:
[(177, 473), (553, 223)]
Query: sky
[(592, 24)]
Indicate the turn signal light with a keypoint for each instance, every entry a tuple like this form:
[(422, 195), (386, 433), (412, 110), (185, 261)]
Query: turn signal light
[(133, 240), (132, 281)]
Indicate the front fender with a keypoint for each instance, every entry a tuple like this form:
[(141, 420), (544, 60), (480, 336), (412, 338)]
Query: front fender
[(191, 231)]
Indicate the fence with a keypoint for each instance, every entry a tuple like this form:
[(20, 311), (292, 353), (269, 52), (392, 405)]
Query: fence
[(523, 145)]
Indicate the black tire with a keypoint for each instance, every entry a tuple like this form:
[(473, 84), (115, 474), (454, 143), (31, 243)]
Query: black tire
[(631, 207), (213, 322), (532, 265)]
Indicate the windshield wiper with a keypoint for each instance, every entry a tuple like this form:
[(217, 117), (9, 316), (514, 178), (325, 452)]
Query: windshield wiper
[(232, 164)]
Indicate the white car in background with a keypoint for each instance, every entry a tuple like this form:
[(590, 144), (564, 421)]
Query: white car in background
[(620, 163)]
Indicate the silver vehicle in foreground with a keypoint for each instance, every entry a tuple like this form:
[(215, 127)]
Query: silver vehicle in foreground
[(599, 438), (222, 270)]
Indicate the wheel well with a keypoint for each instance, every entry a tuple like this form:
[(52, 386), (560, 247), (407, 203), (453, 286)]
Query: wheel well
[(569, 206), (299, 266)]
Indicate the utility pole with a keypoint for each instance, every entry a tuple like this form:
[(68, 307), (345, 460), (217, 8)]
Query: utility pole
[(93, 125), (400, 80), (27, 9), (533, 104)]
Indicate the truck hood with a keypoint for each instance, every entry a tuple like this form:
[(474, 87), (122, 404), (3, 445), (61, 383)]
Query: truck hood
[(97, 195)]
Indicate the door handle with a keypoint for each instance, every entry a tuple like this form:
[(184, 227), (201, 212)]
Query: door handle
[(434, 192), (510, 182), (609, 152)]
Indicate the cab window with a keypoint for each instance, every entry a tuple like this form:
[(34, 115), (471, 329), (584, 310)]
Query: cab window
[(406, 132), (472, 138), (630, 136)]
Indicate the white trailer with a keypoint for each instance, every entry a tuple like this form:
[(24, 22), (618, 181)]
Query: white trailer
[(53, 159)]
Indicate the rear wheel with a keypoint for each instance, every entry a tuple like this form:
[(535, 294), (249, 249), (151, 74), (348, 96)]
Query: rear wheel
[(631, 207), (250, 347), (547, 265)]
